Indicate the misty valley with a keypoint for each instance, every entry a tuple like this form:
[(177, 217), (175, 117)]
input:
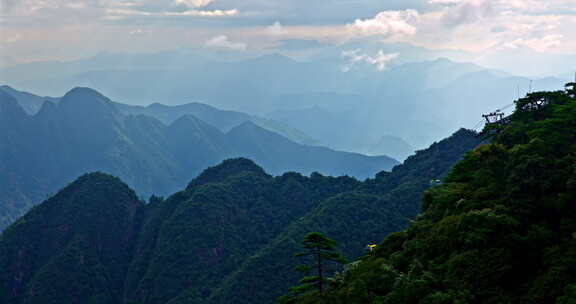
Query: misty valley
[(288, 152)]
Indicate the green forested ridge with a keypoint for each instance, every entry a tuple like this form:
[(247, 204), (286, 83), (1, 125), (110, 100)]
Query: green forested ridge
[(354, 219), (226, 238), (85, 131), (73, 248), (501, 229), (320, 259)]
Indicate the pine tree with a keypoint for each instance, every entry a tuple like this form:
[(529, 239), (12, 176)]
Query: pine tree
[(322, 255)]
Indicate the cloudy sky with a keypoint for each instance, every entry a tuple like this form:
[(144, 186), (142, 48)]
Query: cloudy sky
[(492, 31)]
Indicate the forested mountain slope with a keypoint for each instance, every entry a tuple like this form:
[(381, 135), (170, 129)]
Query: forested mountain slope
[(501, 229), (96, 242), (84, 131), (355, 218), (74, 248)]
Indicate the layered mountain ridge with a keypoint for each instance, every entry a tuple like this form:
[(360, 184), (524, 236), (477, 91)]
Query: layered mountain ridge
[(85, 131), (216, 241), (223, 120), (419, 100)]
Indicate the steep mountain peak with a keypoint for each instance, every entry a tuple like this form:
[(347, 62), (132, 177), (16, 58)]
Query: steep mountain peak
[(9, 106), (249, 129), (198, 106), (193, 125), (157, 105), (96, 215), (6, 88), (86, 102), (99, 180), (30, 103), (227, 168), (91, 194), (98, 177), (83, 92)]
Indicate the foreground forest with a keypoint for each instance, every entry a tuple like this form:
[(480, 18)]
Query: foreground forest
[(500, 229), (227, 238)]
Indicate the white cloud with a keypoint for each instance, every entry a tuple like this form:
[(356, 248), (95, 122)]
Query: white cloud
[(31, 7), (194, 3), (462, 25), (479, 25), (444, 1), (275, 29), (468, 11), (387, 24), (62, 10), (192, 12), (541, 44), (380, 60), (223, 42), (528, 5), (353, 55)]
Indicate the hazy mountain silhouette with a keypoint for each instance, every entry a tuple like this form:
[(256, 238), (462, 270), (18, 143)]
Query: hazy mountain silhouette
[(420, 101), (85, 131), (229, 230)]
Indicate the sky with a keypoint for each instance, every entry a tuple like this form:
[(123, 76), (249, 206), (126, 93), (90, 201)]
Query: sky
[(521, 36)]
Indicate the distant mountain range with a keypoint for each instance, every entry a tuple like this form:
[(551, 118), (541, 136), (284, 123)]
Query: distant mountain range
[(85, 131), (29, 102), (221, 119), (226, 238), (419, 102)]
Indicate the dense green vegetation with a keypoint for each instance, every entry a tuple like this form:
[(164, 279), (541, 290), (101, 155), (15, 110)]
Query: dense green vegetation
[(84, 131), (73, 248), (227, 238), (501, 229), (321, 255), (353, 219)]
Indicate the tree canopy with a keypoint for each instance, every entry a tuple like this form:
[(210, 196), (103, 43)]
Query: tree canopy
[(321, 254), (500, 229)]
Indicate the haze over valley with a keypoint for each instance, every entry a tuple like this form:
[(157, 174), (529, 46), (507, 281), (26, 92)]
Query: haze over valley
[(288, 152)]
